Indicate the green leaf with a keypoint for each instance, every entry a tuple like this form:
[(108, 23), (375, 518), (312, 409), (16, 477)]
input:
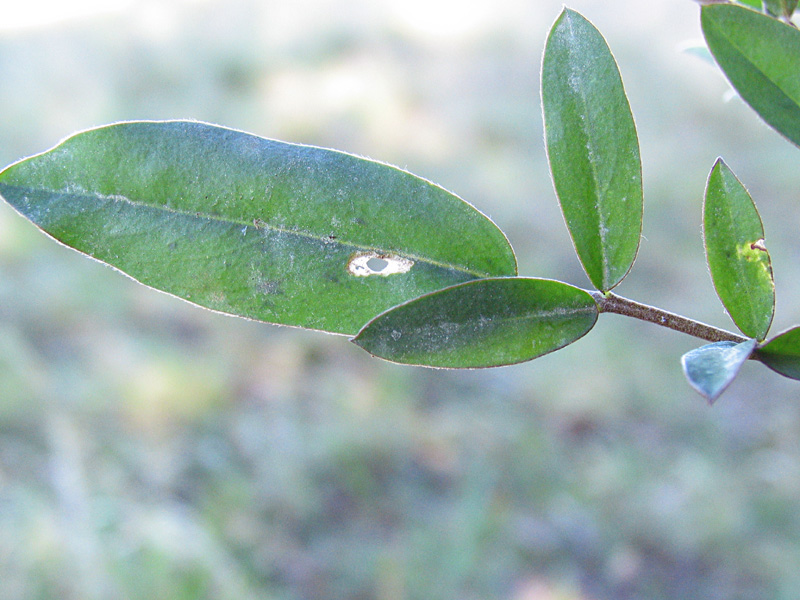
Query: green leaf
[(760, 56), (782, 353), (240, 224), (484, 323), (711, 368), (737, 257), (752, 3), (780, 8), (592, 148)]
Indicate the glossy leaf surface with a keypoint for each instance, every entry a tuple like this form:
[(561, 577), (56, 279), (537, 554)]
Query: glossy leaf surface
[(253, 227), (737, 257), (782, 353), (593, 149), (483, 323), (711, 368), (760, 55)]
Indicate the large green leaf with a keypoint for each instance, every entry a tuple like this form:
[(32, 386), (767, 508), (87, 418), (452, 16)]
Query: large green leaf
[(593, 149), (760, 55), (782, 353), (711, 368), (272, 231), (737, 257), (483, 323)]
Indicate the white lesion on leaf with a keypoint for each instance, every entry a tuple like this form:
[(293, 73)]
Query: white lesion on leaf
[(365, 264)]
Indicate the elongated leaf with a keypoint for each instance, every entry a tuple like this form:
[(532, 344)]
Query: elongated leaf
[(711, 368), (254, 227), (782, 353), (484, 323), (593, 149), (737, 257), (760, 56)]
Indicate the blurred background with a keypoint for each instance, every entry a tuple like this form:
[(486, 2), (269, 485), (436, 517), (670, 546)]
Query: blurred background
[(153, 450)]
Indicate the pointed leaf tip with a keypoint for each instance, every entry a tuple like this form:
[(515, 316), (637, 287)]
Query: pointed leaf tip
[(593, 148), (711, 368)]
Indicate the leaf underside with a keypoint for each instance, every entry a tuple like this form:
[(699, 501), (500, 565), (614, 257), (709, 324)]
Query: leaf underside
[(738, 259), (253, 227), (483, 323), (592, 148), (711, 368), (760, 56)]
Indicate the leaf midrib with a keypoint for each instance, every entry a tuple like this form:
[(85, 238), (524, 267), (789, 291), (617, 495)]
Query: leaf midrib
[(539, 315), (584, 127), (261, 225)]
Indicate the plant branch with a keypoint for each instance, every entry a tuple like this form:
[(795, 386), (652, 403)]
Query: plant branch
[(612, 303)]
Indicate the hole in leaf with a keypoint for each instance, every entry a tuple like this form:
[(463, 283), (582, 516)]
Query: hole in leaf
[(371, 263), (377, 264)]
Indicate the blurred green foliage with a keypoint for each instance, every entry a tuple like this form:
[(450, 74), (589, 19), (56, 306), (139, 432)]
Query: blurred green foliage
[(150, 449)]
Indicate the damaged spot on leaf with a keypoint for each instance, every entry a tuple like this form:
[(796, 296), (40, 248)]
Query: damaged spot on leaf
[(365, 264), (377, 265), (754, 251)]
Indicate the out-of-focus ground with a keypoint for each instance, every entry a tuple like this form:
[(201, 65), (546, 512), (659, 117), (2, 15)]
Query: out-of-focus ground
[(153, 450)]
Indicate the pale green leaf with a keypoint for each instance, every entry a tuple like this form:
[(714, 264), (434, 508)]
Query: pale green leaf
[(711, 368)]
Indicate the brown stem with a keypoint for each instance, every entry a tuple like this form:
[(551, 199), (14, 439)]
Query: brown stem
[(622, 306)]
